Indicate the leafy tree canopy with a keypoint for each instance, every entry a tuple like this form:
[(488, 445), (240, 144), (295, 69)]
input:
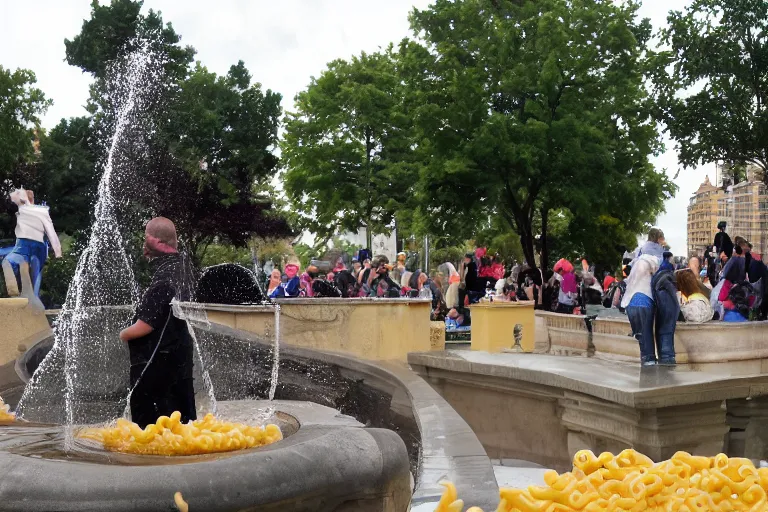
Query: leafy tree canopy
[(347, 147), (68, 173), (526, 106), (213, 153), (116, 28), (214, 137), (711, 84), (21, 105)]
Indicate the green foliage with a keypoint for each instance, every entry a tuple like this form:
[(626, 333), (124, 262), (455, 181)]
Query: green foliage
[(602, 240), (212, 153), (347, 147), (710, 82), (215, 157), (277, 250), (522, 107), (223, 130), (58, 272), (68, 177), (21, 105), (116, 28), (305, 253), (452, 254), (216, 254)]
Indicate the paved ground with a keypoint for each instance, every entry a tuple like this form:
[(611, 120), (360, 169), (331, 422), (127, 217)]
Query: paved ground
[(624, 383)]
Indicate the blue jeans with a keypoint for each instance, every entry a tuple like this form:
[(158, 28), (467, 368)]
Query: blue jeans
[(667, 311), (641, 320), (33, 252)]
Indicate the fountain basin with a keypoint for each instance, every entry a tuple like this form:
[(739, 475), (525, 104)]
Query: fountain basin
[(328, 462)]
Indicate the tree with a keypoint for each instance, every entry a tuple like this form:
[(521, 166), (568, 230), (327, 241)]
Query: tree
[(212, 154), (118, 28), (67, 170), (526, 106), (213, 137), (347, 148), (21, 105), (710, 82)]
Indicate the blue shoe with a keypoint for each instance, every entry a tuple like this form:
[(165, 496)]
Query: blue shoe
[(668, 362), (648, 363)]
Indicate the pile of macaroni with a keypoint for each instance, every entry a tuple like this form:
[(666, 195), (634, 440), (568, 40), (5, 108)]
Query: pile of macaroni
[(171, 437), (632, 482), (5, 412)]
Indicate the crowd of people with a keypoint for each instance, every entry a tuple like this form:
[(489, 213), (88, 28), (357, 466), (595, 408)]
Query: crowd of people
[(451, 290), (654, 289)]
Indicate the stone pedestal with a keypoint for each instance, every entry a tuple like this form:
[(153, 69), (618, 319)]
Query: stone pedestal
[(494, 323), (545, 408), (599, 426), (437, 335), (748, 420)]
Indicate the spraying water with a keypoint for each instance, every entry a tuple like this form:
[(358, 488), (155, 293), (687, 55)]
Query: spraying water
[(100, 298), (275, 355)]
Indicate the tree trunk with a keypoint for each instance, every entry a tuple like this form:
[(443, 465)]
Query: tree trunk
[(525, 230), (544, 261)]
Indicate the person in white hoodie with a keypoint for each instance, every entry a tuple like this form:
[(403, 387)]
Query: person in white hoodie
[(33, 225)]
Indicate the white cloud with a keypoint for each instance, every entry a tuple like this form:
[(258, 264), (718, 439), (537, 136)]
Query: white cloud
[(282, 43)]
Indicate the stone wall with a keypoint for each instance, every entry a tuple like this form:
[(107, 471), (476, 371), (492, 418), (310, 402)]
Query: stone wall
[(544, 408), (567, 334), (22, 327), (611, 338), (376, 329)]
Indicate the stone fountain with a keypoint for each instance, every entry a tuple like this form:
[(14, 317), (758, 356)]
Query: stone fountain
[(357, 435)]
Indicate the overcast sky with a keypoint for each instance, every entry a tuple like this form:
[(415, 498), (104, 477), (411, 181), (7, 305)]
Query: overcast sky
[(282, 43)]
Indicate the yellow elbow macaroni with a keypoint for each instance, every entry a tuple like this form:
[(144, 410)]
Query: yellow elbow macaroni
[(168, 436), (632, 482), (5, 412)]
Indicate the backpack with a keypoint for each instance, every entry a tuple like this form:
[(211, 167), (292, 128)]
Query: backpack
[(322, 288), (346, 283), (610, 298)]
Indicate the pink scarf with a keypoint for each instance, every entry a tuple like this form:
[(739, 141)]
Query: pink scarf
[(154, 247)]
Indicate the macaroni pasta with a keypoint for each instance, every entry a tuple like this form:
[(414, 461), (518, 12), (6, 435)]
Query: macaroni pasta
[(631, 482), (171, 437)]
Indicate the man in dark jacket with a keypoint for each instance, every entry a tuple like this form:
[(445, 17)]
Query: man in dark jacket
[(723, 243), (160, 345), (664, 289)]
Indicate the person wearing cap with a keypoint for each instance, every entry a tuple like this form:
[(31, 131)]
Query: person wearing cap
[(291, 287), (159, 344)]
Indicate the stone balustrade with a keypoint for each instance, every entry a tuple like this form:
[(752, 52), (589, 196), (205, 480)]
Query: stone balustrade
[(611, 338)]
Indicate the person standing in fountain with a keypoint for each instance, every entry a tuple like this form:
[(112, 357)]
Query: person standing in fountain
[(33, 226), (160, 345)]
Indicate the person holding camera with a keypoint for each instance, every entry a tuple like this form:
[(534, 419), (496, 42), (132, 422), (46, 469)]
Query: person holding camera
[(378, 272)]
